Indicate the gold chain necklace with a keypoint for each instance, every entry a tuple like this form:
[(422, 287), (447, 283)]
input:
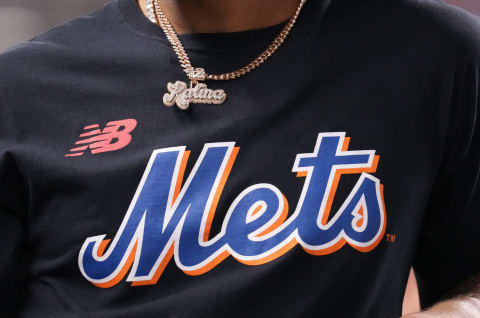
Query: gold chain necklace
[(183, 95)]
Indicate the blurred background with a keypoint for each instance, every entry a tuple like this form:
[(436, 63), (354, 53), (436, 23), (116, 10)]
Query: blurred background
[(20, 20)]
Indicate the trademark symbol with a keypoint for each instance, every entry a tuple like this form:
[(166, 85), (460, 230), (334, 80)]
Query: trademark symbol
[(390, 238)]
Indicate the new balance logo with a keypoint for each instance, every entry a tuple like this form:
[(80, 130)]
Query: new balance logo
[(115, 136)]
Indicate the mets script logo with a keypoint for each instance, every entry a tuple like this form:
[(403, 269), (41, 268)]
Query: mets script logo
[(167, 219), (114, 136)]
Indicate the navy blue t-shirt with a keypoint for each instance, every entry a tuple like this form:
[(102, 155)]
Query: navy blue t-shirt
[(349, 156)]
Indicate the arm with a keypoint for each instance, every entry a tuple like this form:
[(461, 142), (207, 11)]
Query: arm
[(448, 250), (13, 237), (463, 302), (14, 197)]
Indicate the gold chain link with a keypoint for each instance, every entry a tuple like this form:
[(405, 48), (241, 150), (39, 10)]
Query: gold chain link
[(184, 60)]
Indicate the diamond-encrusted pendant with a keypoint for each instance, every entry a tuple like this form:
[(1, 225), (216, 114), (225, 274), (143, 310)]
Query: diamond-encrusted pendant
[(181, 94)]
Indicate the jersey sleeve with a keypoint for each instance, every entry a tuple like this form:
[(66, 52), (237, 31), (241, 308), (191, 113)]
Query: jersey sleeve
[(13, 258), (448, 251), (13, 209)]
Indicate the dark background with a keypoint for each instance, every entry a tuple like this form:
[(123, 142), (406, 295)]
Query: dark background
[(20, 20)]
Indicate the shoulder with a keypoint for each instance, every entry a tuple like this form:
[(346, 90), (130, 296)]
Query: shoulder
[(42, 75), (59, 45), (34, 72), (430, 29), (450, 30)]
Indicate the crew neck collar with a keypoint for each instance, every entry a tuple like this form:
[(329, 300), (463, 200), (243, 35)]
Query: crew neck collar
[(133, 15)]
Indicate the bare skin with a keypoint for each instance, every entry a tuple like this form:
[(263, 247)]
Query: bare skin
[(217, 16), (462, 301)]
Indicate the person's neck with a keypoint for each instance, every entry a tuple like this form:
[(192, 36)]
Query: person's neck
[(216, 16)]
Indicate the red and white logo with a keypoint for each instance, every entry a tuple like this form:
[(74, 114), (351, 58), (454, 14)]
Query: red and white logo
[(115, 136)]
